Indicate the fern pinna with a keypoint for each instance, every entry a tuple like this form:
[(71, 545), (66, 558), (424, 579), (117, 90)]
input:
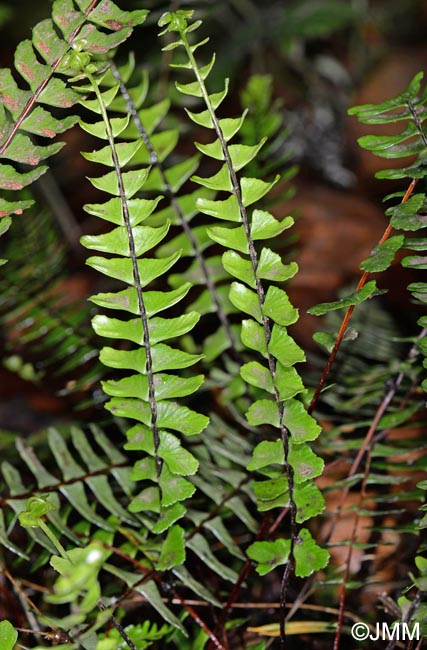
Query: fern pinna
[(286, 464)]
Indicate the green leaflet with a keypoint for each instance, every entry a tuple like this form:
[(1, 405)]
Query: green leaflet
[(266, 453), (309, 556), (309, 501), (253, 336), (278, 308), (173, 549), (123, 269), (269, 555), (369, 290), (383, 255)]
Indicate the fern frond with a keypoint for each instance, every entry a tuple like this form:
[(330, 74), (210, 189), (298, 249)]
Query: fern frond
[(148, 396), (269, 308), (39, 63), (91, 474)]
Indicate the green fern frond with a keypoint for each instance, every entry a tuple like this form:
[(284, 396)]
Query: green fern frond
[(148, 396), (269, 308), (82, 471)]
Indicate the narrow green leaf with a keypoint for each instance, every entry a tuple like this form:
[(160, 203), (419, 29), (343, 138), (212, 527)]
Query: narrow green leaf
[(369, 290), (189, 581), (201, 548), (150, 118), (415, 262), (149, 592), (369, 112), (176, 175)]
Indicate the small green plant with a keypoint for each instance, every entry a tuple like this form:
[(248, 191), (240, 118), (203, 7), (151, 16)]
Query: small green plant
[(208, 459)]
